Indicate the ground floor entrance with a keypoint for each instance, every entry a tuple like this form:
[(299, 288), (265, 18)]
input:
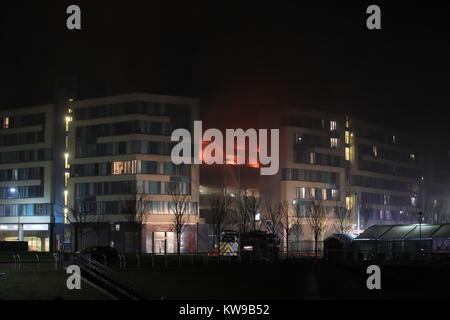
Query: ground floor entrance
[(37, 235)]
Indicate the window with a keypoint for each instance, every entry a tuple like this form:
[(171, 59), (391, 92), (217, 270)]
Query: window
[(312, 193), (393, 139), (375, 151), (324, 194), (335, 194), (412, 156), (124, 167), (348, 203), (333, 125), (300, 193), (413, 201), (347, 137), (312, 158), (334, 142), (6, 123), (347, 153)]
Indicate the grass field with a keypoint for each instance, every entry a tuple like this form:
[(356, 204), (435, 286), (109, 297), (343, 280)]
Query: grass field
[(45, 284)]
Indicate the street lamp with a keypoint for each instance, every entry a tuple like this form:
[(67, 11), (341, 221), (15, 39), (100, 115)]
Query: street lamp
[(13, 191), (420, 231)]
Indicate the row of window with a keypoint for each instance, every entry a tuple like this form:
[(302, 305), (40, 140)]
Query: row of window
[(387, 199), (123, 147), (26, 156), (383, 137), (306, 156), (312, 141), (177, 111), (386, 153), (309, 122), (120, 207), (389, 169), (36, 209), (19, 174), (130, 167), (21, 138), (122, 128), (22, 121), (379, 183), (92, 189), (310, 175), (316, 194), (22, 192)]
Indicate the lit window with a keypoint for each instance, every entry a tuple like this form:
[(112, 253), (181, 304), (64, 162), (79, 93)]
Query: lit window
[(393, 139), (324, 194), (301, 193), (312, 193), (333, 125), (124, 167), (334, 142), (257, 217), (6, 123), (117, 227), (386, 199), (412, 156), (375, 151), (413, 201), (312, 157), (335, 194), (347, 124), (347, 137), (347, 153), (348, 203)]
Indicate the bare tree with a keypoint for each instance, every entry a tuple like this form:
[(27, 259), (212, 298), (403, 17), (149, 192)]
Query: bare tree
[(78, 217), (240, 215), (219, 214), (134, 208), (98, 226), (296, 231), (180, 210), (343, 217), (437, 212), (285, 222), (365, 214), (317, 221), (272, 217), (251, 208)]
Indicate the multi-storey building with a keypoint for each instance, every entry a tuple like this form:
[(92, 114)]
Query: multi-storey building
[(119, 153), (30, 194), (384, 174), (312, 164)]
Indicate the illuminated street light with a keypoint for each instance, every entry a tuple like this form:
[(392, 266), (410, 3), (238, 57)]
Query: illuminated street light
[(15, 190)]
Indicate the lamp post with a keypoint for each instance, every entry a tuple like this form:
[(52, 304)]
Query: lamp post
[(20, 235)]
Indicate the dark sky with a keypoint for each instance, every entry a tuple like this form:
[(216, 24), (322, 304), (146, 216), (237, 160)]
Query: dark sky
[(237, 56)]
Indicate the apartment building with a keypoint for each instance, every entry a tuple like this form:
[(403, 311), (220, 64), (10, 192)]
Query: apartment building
[(29, 191), (118, 152), (312, 165), (385, 174)]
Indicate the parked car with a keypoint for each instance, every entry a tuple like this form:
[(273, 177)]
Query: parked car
[(100, 253)]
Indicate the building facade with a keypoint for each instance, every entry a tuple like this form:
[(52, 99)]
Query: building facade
[(29, 198), (385, 174), (118, 155)]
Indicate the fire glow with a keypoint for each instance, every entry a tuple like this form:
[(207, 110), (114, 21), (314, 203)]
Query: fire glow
[(209, 147)]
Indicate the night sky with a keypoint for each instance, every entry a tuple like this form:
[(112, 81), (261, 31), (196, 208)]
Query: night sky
[(237, 56)]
